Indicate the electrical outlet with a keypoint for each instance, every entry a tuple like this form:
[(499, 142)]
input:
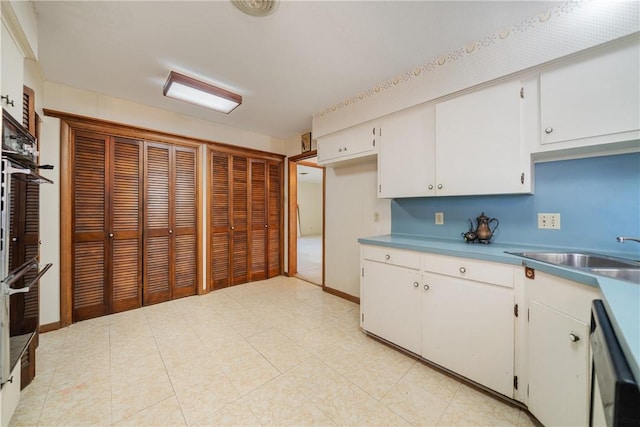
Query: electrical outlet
[(376, 216), (549, 221), (439, 218)]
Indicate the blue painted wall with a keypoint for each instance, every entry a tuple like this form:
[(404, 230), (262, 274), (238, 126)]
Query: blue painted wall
[(598, 199)]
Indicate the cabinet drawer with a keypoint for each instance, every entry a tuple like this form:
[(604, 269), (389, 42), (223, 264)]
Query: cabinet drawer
[(472, 269), (391, 256)]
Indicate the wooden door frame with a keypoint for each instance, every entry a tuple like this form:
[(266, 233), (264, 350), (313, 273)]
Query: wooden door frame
[(292, 227)]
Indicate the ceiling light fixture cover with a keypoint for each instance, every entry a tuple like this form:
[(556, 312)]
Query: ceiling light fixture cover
[(188, 89), (256, 7)]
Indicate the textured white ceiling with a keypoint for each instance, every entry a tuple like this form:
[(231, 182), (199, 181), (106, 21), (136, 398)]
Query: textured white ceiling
[(287, 66)]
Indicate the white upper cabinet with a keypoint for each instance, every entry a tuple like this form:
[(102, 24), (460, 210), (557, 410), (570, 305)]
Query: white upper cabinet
[(479, 146), (12, 76), (593, 101), (348, 144), (406, 156)]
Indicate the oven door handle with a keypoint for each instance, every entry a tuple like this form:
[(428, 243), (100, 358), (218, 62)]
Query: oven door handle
[(25, 289), (30, 174)]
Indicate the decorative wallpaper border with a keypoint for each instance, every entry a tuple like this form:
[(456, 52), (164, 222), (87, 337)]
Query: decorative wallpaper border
[(455, 55)]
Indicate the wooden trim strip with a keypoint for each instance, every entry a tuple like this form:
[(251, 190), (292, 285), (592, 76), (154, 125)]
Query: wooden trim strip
[(135, 132), (303, 156), (49, 327), (341, 294), (66, 224)]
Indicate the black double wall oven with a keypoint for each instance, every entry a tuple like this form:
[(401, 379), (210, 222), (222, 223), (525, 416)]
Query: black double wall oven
[(20, 268)]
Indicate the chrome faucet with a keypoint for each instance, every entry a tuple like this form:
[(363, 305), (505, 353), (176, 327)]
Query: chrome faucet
[(623, 239)]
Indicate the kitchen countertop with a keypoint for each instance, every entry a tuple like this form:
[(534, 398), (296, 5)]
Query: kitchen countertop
[(621, 298)]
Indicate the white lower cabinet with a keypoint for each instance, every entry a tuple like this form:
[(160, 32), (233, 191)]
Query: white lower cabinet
[(558, 367), (559, 312), (391, 304), (463, 324), (488, 322), (468, 327)]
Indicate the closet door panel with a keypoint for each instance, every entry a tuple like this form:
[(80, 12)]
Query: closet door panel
[(258, 210), (185, 266), (126, 225), (185, 227), (157, 287), (219, 219), (239, 221), (91, 285), (90, 293), (157, 248), (274, 220)]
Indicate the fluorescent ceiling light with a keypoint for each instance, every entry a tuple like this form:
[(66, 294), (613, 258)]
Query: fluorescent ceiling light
[(188, 89)]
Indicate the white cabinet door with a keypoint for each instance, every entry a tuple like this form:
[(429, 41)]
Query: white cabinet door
[(406, 155), (558, 367), (468, 327), (391, 304), (591, 98), (354, 142), (12, 76), (479, 148)]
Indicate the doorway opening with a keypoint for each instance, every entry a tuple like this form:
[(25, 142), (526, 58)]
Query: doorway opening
[(306, 218)]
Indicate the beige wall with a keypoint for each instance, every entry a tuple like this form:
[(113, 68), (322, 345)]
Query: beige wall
[(351, 205), (310, 208)]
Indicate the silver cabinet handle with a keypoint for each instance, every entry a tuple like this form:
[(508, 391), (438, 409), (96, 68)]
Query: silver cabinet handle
[(426, 287), (339, 150), (463, 270), (548, 130), (14, 239), (170, 231), (344, 148), (110, 234), (266, 226), (416, 284), (387, 257), (573, 337), (439, 186), (430, 187)]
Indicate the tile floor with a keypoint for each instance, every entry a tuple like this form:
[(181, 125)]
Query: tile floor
[(277, 352)]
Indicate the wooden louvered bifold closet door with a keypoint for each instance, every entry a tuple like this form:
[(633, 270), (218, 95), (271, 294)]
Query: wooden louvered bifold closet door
[(185, 230), (239, 220), (126, 224), (219, 220), (157, 243), (171, 231), (259, 224), (274, 185), (245, 223), (107, 234)]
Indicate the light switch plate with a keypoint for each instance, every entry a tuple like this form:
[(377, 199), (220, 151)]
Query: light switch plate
[(439, 218), (549, 221)]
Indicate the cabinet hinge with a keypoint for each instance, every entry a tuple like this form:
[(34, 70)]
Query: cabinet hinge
[(380, 188), (515, 382), (527, 315), (374, 142), (522, 92), (522, 178), (362, 271), (515, 310), (527, 389), (363, 317)]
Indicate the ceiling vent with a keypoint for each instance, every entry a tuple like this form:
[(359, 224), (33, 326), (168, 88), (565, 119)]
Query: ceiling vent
[(256, 7)]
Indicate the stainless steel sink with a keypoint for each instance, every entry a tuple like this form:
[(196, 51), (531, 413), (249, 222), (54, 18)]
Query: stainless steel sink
[(579, 259), (617, 268), (628, 274)]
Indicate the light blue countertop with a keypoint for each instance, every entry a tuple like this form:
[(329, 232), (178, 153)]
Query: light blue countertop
[(621, 298)]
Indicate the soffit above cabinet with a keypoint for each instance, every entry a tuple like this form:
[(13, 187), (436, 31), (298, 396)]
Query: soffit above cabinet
[(567, 29)]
